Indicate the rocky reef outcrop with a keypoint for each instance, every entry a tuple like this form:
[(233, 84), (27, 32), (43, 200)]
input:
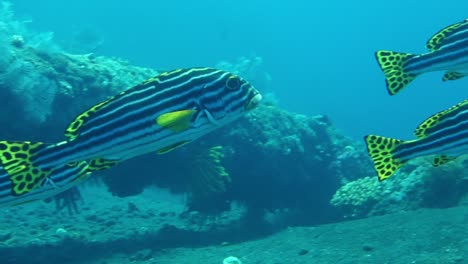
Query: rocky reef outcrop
[(298, 169)]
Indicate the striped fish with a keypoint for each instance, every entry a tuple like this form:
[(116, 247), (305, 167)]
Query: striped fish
[(444, 134), (160, 114), (59, 181), (448, 51)]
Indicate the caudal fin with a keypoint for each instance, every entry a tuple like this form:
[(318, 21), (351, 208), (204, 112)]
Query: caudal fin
[(392, 64), (381, 150), (17, 159)]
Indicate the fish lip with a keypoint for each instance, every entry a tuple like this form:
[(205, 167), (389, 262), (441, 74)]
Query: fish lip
[(253, 103)]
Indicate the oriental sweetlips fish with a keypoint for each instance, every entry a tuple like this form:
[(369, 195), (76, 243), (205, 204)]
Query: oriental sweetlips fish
[(444, 134), (61, 179), (160, 114), (448, 51)]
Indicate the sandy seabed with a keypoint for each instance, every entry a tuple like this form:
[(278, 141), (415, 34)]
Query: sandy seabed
[(147, 229)]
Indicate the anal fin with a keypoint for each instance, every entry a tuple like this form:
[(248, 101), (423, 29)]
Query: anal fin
[(451, 76), (442, 159), (100, 164)]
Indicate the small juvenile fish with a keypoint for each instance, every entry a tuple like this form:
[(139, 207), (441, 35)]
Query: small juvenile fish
[(160, 114), (444, 134), (448, 51)]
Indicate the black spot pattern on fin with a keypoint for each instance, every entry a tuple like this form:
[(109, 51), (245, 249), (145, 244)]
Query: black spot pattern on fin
[(392, 63), (17, 160), (381, 150)]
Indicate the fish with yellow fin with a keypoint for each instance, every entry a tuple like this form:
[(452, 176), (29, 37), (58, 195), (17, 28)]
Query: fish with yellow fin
[(59, 180), (448, 51), (160, 114), (444, 134)]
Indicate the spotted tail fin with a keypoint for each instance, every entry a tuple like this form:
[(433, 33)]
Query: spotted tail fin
[(392, 64), (17, 159), (381, 150)]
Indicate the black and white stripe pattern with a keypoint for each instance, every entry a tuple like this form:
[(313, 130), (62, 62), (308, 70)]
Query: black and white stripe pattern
[(126, 126), (452, 56), (450, 138)]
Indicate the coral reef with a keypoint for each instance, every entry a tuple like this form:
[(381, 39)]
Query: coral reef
[(418, 185), (279, 160), (358, 197), (39, 80), (61, 84), (268, 170), (273, 161)]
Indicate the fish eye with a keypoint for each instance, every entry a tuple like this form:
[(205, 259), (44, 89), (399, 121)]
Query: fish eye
[(233, 83)]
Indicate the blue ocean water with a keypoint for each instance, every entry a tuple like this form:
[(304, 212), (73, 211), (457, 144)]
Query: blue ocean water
[(319, 54), (282, 186)]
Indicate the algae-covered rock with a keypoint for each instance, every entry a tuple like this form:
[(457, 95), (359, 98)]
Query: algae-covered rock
[(358, 197), (278, 159), (44, 87), (417, 185)]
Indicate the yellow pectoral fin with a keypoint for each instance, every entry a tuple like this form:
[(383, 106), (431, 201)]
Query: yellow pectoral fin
[(172, 147), (177, 121)]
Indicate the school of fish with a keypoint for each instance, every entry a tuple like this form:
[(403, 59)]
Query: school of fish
[(177, 107), (444, 134)]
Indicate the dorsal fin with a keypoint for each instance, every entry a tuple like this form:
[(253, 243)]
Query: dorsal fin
[(73, 129), (432, 123), (438, 40), (76, 126)]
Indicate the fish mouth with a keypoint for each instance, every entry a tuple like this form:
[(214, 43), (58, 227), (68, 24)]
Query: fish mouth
[(253, 103)]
